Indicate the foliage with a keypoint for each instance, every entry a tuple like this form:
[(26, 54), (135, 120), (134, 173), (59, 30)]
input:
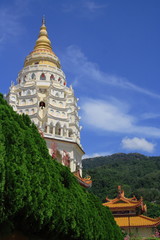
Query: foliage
[(138, 174), (153, 209), (40, 196)]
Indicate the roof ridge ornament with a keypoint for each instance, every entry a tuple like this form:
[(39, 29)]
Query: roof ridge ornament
[(120, 192)]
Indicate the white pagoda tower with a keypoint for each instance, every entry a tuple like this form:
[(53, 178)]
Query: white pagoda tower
[(42, 93)]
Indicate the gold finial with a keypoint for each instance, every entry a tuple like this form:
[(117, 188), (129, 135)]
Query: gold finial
[(43, 20), (120, 191), (43, 41)]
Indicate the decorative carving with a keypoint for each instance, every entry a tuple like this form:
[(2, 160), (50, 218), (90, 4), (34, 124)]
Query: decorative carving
[(54, 150), (66, 158)]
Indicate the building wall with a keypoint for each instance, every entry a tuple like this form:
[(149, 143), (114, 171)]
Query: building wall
[(58, 119), (140, 232), (75, 153)]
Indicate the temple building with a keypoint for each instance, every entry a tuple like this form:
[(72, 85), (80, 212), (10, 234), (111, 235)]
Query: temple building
[(42, 93), (127, 213)]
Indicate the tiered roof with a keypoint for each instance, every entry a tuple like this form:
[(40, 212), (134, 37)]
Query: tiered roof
[(126, 209), (137, 221), (122, 203)]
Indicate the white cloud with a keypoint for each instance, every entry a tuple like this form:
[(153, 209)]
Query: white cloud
[(113, 116), (150, 115), (83, 7), (106, 116), (138, 144), (83, 68), (100, 154), (92, 6)]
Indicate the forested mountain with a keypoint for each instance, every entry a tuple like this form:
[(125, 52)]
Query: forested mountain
[(40, 196), (138, 174)]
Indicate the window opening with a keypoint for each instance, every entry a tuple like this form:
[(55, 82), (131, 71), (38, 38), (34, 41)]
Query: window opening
[(42, 104), (42, 77), (52, 77), (58, 129), (33, 76)]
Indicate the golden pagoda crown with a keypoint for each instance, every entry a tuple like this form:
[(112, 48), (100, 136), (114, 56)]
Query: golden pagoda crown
[(43, 41), (42, 53)]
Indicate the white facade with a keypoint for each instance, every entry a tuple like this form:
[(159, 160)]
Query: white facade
[(41, 92)]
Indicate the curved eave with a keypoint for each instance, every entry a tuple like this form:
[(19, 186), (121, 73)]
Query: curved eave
[(140, 221), (120, 209), (87, 183), (84, 183), (124, 206), (125, 201)]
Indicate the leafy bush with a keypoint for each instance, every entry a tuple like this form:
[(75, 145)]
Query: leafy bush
[(40, 196)]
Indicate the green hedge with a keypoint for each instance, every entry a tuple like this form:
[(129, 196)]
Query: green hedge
[(40, 196)]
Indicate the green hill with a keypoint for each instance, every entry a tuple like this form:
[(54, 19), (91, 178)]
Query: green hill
[(138, 174), (38, 195)]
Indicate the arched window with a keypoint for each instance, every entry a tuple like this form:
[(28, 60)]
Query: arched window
[(42, 104), (70, 134), (28, 92), (45, 129), (52, 77), (57, 113), (33, 76), (23, 102), (57, 94), (58, 129), (51, 129), (31, 101), (42, 77)]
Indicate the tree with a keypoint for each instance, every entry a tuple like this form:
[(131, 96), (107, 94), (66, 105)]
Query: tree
[(40, 196)]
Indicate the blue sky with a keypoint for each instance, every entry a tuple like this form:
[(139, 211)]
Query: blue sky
[(110, 53)]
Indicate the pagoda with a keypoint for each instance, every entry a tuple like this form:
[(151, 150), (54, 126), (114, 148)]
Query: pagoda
[(42, 93), (128, 212)]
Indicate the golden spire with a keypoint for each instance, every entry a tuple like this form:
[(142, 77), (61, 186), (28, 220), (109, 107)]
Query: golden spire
[(42, 53), (43, 41)]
